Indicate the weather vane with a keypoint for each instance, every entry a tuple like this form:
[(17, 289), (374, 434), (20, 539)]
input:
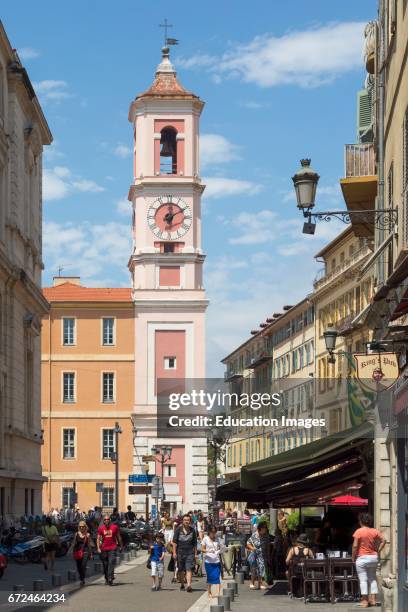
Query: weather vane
[(168, 41)]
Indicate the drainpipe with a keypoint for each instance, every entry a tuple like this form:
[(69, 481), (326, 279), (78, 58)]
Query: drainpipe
[(382, 24), (49, 408)]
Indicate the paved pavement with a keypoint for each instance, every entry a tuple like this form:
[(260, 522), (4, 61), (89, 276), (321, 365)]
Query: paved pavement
[(131, 590)]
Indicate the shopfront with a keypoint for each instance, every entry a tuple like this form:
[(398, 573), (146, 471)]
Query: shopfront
[(401, 431)]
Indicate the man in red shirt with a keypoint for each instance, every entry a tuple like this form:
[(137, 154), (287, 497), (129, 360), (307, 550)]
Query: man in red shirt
[(108, 540)]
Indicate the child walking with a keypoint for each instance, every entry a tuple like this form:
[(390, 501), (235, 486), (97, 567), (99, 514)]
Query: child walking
[(157, 552)]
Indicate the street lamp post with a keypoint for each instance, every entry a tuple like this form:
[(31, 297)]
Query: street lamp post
[(305, 182), (163, 453), (115, 459), (217, 440)]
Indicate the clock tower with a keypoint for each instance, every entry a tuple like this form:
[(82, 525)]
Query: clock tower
[(166, 265)]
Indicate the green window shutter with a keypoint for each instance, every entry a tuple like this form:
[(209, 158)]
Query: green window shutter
[(364, 113)]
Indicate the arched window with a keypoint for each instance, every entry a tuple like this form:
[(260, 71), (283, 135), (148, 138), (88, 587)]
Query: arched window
[(168, 151)]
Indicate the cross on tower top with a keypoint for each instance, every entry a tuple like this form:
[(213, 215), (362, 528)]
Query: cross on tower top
[(168, 41)]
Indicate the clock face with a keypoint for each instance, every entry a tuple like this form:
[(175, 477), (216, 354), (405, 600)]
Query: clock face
[(169, 218)]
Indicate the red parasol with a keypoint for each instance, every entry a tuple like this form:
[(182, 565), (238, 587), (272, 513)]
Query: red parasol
[(347, 500)]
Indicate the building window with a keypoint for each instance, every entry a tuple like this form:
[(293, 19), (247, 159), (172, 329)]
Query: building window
[(271, 445), (26, 502), (108, 331), (68, 443), (69, 387), (68, 337), (234, 453), (68, 497), (32, 502), (168, 247), (108, 497), (246, 452), (240, 454), (108, 443), (170, 363), (169, 471), (108, 389)]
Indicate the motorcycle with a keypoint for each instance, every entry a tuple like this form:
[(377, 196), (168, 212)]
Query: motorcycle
[(23, 551)]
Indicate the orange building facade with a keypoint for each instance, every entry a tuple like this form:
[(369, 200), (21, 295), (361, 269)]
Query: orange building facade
[(87, 362)]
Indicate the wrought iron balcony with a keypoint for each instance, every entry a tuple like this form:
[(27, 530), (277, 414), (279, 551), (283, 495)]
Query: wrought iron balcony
[(230, 375), (324, 278)]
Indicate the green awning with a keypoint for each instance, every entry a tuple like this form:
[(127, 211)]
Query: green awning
[(305, 460), (304, 491)]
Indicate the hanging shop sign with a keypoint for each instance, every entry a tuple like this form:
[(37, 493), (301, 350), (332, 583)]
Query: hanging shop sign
[(377, 371)]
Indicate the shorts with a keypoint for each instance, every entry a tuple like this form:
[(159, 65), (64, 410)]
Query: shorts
[(50, 547), (157, 568), (185, 562)]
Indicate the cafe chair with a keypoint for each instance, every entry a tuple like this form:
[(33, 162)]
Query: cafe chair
[(343, 572), (295, 577), (315, 580)]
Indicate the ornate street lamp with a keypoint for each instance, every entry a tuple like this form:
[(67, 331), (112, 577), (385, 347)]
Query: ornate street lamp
[(305, 183), (330, 338), (164, 455), (217, 439)]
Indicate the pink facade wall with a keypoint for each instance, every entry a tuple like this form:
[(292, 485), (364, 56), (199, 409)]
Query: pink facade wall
[(169, 276), (170, 343), (159, 124)]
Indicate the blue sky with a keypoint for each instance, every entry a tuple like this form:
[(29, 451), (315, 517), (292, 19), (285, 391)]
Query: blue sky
[(279, 81)]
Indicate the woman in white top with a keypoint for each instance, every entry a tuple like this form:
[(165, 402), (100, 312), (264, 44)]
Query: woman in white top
[(211, 548), (200, 527)]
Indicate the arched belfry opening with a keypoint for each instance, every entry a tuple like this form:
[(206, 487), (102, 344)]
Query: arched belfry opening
[(168, 150)]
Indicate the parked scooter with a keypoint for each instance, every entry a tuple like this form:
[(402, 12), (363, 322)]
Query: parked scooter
[(21, 546)]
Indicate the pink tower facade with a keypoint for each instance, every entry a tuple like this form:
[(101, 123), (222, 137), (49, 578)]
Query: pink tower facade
[(167, 275)]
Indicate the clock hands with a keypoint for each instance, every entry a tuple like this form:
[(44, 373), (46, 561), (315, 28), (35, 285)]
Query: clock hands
[(169, 216)]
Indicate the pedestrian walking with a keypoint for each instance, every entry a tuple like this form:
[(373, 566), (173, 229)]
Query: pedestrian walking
[(51, 543), (259, 551), (185, 551), (157, 552), (82, 549), (109, 539), (367, 545), (211, 548)]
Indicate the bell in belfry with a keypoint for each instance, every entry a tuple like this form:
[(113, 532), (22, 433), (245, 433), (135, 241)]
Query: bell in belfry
[(168, 142)]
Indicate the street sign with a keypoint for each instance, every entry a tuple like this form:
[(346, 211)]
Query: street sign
[(99, 487), (156, 481), (140, 478), (138, 490), (154, 511), (157, 492), (148, 458)]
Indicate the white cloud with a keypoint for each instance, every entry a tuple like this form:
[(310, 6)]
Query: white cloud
[(219, 187), (27, 53), (62, 171), (58, 183), (216, 149), (306, 58), (87, 186), (122, 151), (52, 89), (251, 104), (94, 252), (54, 187), (123, 207)]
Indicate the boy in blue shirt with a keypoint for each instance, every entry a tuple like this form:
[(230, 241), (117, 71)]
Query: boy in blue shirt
[(157, 552)]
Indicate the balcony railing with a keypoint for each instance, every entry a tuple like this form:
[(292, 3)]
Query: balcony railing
[(359, 160), (320, 280), (260, 358), (232, 375)]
